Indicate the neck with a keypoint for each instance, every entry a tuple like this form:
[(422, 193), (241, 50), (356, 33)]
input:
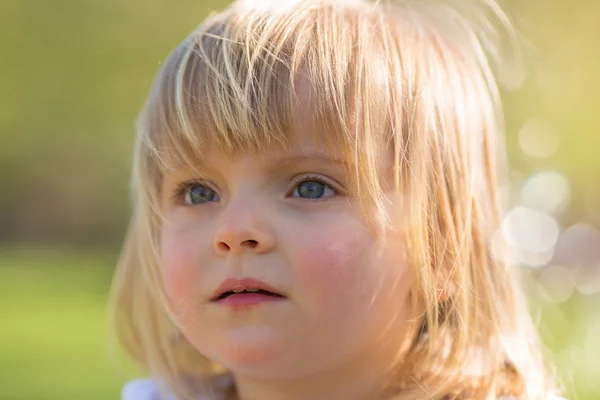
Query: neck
[(362, 378)]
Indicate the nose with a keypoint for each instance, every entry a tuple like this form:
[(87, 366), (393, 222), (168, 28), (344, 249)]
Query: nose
[(243, 228)]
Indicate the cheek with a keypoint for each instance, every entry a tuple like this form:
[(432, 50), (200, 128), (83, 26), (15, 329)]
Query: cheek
[(179, 265), (340, 269), (345, 274)]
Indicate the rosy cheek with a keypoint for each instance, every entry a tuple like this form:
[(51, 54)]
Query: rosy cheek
[(339, 273), (179, 258)]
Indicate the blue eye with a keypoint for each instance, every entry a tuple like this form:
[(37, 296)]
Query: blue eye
[(198, 194), (313, 189)]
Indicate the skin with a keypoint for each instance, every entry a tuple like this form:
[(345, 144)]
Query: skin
[(342, 326)]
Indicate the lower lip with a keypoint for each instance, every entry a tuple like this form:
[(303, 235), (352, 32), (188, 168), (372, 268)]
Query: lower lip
[(248, 299)]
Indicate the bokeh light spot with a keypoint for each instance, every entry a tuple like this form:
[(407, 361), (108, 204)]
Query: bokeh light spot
[(546, 191), (531, 234), (538, 139), (556, 283)]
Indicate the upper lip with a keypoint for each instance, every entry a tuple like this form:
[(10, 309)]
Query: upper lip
[(231, 284)]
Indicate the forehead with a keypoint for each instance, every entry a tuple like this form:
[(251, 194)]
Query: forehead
[(301, 146)]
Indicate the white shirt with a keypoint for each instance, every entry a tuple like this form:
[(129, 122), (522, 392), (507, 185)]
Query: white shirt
[(147, 389), (142, 389)]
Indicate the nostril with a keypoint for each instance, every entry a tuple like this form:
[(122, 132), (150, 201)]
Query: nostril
[(250, 243), (223, 246)]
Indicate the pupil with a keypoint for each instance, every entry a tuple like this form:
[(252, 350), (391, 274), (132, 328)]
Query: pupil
[(311, 189), (201, 194)]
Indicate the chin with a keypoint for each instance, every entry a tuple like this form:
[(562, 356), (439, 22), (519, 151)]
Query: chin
[(252, 351), (261, 352)]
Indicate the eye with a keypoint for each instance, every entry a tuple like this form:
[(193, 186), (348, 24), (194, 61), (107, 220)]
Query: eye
[(195, 193), (313, 188)]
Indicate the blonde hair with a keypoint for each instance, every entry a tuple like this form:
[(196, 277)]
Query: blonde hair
[(414, 78)]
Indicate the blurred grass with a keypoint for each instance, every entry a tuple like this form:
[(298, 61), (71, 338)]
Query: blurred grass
[(53, 335), (53, 342)]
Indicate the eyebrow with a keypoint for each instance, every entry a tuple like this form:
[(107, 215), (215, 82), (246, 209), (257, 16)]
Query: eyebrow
[(309, 156), (285, 160)]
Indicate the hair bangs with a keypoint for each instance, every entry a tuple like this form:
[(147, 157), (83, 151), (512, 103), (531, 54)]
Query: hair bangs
[(241, 83), (232, 88)]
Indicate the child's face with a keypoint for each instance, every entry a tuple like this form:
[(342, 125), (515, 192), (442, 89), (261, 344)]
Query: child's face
[(283, 218)]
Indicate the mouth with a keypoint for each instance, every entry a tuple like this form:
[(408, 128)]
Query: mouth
[(253, 291), (245, 291)]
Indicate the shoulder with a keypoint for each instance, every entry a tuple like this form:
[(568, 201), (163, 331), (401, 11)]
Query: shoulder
[(148, 389), (142, 389)]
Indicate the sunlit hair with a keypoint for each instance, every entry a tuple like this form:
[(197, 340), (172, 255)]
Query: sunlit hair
[(412, 81)]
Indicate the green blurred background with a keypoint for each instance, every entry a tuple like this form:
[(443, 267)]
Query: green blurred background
[(73, 75)]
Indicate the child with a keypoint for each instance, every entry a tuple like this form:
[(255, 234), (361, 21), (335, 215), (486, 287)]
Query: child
[(316, 184)]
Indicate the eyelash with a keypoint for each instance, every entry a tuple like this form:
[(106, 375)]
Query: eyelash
[(316, 178), (184, 187)]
